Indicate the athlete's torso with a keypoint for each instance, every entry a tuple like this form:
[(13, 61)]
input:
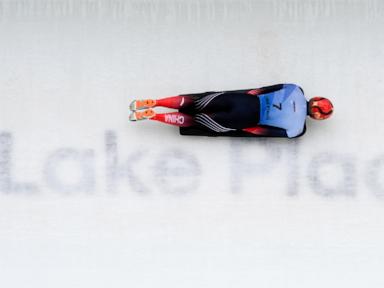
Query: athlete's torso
[(285, 108)]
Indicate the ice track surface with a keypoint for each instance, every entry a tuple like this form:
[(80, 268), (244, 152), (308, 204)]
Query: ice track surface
[(88, 199)]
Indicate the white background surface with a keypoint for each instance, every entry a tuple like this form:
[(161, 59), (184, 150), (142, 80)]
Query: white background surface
[(88, 199)]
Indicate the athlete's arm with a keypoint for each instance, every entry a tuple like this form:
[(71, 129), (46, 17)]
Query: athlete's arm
[(266, 131), (269, 89), (266, 89), (257, 91)]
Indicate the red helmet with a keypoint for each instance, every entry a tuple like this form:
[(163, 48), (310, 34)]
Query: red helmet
[(320, 108)]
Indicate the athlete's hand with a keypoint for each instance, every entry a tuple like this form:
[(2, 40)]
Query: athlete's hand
[(254, 92)]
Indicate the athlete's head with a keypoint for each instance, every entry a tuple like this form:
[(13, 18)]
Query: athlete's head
[(320, 108)]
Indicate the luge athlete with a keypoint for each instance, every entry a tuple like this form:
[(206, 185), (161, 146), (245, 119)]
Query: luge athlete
[(273, 111)]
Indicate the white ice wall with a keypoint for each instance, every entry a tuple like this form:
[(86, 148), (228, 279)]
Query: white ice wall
[(88, 199)]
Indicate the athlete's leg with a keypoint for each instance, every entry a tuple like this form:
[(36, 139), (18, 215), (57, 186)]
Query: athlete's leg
[(174, 102), (173, 118), (217, 111), (216, 101), (229, 111)]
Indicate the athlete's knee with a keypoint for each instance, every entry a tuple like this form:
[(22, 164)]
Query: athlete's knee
[(210, 102)]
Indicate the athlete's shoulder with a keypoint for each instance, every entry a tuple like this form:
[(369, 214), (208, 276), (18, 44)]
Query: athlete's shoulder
[(292, 87)]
